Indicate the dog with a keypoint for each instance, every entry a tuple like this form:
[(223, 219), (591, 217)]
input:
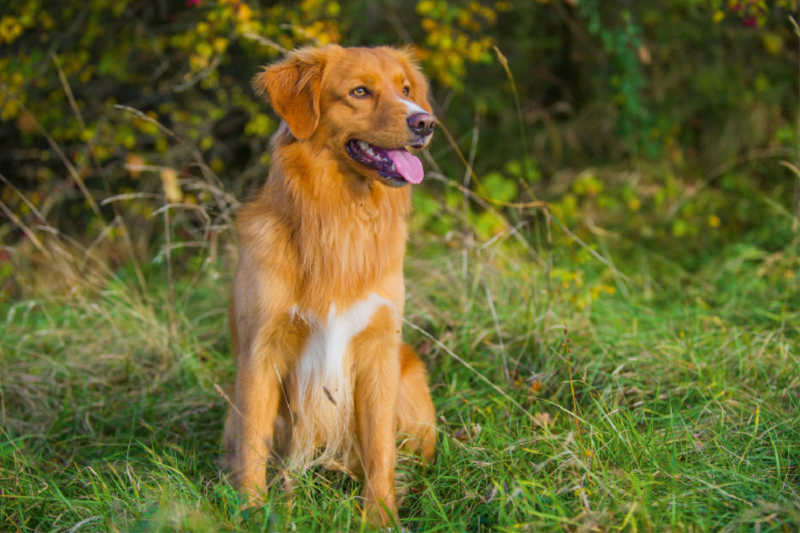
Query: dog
[(318, 296)]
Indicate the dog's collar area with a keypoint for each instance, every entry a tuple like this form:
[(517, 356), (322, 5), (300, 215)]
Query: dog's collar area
[(397, 166)]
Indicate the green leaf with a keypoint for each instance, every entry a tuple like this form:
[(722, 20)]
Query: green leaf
[(494, 185)]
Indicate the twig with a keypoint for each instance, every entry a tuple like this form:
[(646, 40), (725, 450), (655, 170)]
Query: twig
[(227, 399), (265, 41), (206, 72), (584, 245), (497, 328), (130, 196), (523, 137), (68, 90), (305, 33), (57, 149), (598, 232), (24, 198), (118, 218), (752, 155), (467, 241), (15, 219), (572, 389), (460, 154), (452, 354), (171, 282), (95, 243), (214, 184)]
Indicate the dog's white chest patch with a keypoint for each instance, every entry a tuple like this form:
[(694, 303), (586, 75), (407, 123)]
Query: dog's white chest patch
[(323, 387)]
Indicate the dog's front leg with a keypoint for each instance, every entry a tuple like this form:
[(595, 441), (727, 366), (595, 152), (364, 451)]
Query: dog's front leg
[(259, 392), (377, 388)]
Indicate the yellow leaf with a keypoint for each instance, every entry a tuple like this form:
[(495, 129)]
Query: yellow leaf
[(221, 44), (773, 42), (134, 164), (244, 12), (169, 179), (644, 55)]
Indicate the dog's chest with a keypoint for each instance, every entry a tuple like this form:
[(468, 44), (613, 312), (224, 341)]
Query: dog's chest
[(323, 384), (326, 349)]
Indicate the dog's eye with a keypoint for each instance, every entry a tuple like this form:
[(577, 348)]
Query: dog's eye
[(406, 91), (359, 92)]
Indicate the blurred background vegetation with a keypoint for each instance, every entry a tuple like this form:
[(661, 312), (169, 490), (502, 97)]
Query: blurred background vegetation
[(654, 125)]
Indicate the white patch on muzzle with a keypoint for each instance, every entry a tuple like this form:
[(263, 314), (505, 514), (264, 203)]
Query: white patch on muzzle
[(413, 108)]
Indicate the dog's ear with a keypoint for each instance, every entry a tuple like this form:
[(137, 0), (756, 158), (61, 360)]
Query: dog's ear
[(293, 86)]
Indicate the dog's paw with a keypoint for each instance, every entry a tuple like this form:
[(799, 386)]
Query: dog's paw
[(251, 498), (382, 517)]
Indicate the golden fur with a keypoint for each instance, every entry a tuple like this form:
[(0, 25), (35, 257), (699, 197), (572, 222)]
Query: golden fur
[(317, 304)]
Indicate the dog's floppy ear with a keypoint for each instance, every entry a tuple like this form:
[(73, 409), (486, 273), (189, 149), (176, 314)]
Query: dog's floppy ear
[(293, 87)]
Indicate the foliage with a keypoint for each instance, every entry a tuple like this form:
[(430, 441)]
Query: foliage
[(453, 37), (601, 85)]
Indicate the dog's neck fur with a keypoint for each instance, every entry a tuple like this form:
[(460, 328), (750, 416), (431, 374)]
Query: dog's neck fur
[(342, 232)]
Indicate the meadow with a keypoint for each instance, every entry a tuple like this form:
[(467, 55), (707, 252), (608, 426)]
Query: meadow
[(671, 406), (605, 290)]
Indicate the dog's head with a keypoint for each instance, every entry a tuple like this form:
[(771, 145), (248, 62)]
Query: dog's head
[(366, 106)]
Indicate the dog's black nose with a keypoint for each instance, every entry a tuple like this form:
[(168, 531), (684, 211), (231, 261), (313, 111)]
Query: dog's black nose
[(421, 123)]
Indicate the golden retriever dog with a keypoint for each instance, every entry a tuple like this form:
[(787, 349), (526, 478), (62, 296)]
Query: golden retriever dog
[(317, 305)]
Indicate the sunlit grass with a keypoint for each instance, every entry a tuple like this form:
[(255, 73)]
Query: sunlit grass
[(688, 412)]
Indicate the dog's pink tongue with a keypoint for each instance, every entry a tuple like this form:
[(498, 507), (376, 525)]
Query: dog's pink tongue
[(407, 165)]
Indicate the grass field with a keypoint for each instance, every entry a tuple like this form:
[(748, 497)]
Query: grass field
[(681, 411)]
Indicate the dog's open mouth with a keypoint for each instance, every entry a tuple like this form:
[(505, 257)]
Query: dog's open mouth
[(397, 166)]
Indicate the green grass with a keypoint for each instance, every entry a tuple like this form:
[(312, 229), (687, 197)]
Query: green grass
[(687, 395)]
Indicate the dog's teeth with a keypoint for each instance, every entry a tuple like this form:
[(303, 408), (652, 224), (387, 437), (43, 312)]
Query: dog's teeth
[(363, 145), (370, 152), (394, 169)]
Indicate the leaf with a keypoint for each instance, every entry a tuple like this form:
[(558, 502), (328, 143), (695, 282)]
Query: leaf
[(494, 185), (169, 179)]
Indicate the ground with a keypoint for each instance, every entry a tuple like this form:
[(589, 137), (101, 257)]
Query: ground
[(680, 412)]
